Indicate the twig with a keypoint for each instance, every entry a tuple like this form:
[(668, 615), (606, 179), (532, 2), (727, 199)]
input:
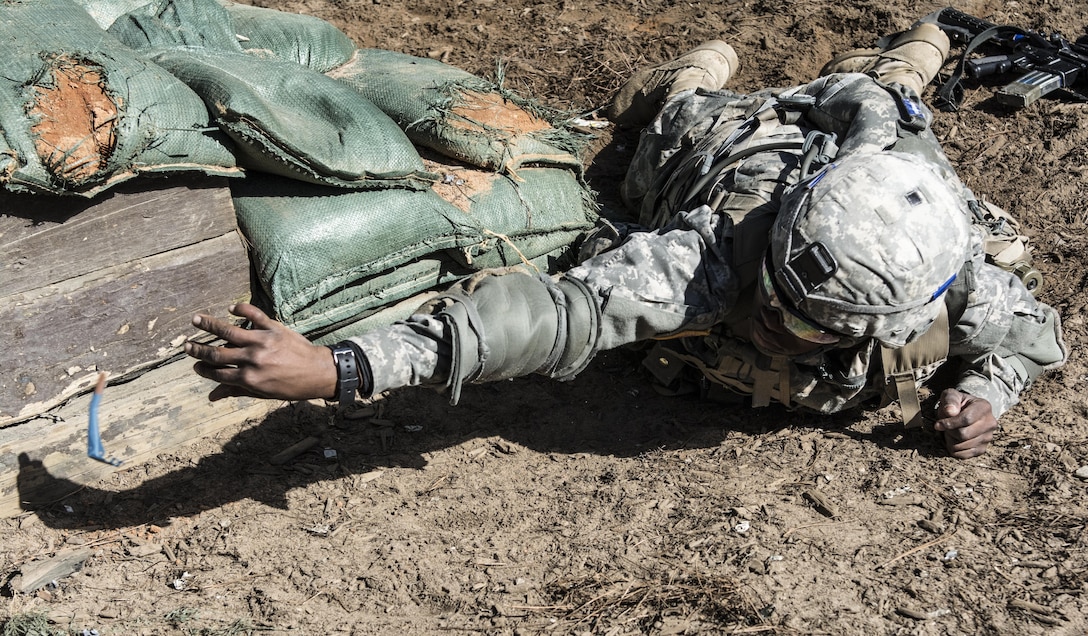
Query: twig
[(929, 544), (811, 525)]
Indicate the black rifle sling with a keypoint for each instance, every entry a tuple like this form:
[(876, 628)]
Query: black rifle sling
[(950, 94)]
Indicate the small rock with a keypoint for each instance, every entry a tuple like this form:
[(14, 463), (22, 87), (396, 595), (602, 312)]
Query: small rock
[(144, 550), (1082, 472), (929, 526)]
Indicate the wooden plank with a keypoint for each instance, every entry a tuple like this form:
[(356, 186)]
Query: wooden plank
[(47, 239), (118, 319), (45, 459)]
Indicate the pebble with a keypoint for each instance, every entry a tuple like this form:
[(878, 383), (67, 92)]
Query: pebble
[(1082, 472), (144, 550)]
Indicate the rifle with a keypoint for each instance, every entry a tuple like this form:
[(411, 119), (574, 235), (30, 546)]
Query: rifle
[(1048, 62)]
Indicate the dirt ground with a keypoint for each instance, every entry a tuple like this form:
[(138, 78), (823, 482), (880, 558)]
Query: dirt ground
[(598, 506)]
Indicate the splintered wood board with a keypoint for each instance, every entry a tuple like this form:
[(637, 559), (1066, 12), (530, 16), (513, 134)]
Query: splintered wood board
[(45, 459), (109, 284)]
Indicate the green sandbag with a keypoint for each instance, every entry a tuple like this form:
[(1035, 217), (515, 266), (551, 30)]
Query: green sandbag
[(325, 257), (541, 210), (227, 26), (309, 242), (105, 12), (80, 111), (294, 122), (458, 114), (170, 23), (303, 39)]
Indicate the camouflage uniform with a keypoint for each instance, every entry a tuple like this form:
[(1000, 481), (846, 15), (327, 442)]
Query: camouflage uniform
[(685, 276)]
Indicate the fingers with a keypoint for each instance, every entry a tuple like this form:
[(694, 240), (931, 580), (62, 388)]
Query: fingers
[(215, 356), (967, 422), (232, 333), (254, 315), (222, 375), (968, 448)]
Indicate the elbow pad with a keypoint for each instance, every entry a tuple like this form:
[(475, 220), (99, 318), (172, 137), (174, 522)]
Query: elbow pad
[(508, 325)]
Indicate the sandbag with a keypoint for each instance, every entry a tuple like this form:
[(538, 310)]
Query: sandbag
[(174, 23), (291, 37), (105, 12), (80, 111), (288, 120), (227, 26), (325, 257), (458, 114)]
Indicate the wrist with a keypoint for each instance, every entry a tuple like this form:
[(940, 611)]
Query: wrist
[(352, 371)]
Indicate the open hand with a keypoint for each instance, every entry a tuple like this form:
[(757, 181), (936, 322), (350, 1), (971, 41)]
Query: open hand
[(968, 423), (268, 360)]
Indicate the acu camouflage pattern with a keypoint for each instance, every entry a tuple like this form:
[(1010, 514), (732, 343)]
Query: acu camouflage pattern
[(690, 279), (897, 232)]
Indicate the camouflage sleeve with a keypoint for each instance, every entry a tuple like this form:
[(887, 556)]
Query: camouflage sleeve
[(411, 352), (1005, 339), (652, 284), (665, 282)]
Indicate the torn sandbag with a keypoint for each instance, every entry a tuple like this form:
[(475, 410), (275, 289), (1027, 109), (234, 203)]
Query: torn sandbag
[(324, 258), (80, 111), (460, 115)]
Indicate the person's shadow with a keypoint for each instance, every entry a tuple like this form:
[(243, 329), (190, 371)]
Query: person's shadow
[(610, 410)]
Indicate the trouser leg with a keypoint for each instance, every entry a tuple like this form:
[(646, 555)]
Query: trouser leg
[(912, 59)]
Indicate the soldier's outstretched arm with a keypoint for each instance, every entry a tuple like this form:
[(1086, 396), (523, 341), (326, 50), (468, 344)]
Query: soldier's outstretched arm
[(502, 325), (497, 325)]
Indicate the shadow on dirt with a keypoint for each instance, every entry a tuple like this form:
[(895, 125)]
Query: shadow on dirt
[(610, 411)]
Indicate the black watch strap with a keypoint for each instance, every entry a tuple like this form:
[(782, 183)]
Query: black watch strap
[(347, 371)]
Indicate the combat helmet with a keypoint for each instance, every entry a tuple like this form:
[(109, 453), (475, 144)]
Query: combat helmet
[(868, 246)]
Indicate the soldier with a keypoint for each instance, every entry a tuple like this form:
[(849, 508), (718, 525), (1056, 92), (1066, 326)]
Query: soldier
[(810, 246)]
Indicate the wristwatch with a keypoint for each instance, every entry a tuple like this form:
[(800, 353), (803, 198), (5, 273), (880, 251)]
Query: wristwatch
[(348, 379)]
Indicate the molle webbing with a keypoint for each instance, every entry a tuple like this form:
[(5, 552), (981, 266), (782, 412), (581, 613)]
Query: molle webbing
[(900, 365)]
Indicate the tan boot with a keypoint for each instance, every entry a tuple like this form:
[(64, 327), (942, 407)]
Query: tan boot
[(912, 59), (708, 66)]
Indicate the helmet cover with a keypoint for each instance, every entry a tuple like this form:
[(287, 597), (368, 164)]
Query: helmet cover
[(868, 246)]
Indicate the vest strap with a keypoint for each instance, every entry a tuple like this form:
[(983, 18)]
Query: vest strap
[(900, 365)]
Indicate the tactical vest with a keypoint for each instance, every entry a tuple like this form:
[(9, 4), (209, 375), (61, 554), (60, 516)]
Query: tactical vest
[(724, 357)]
